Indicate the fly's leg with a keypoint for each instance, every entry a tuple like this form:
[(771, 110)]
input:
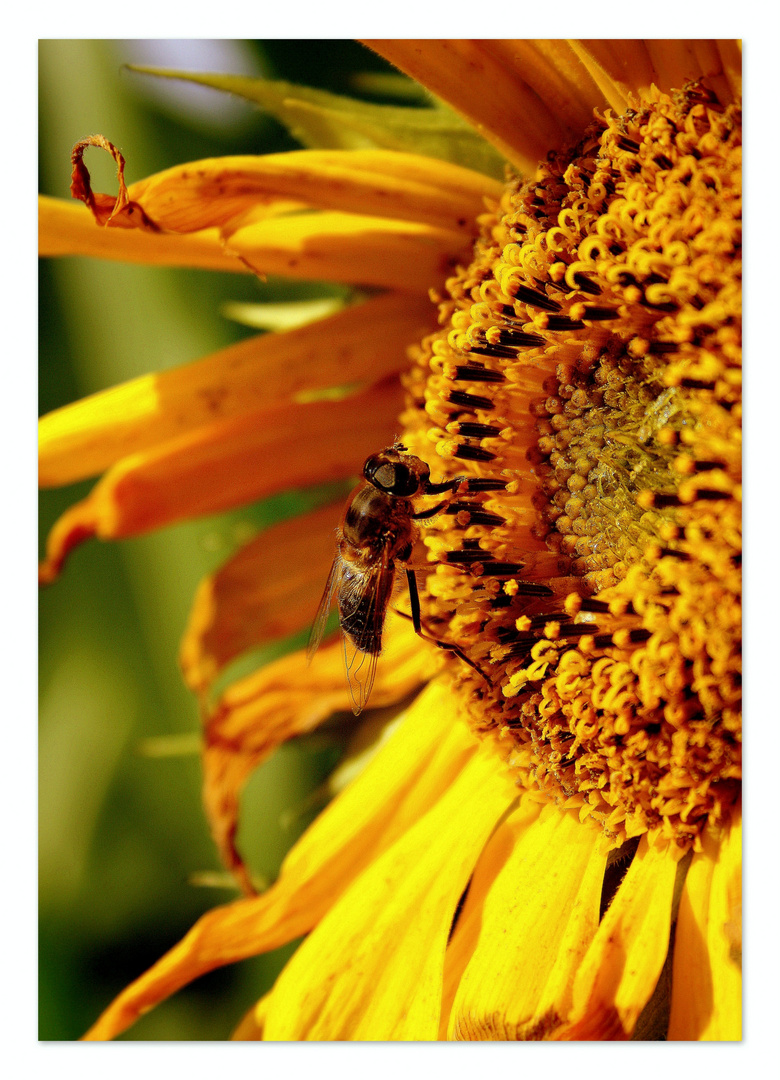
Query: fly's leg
[(427, 488), (471, 484), (416, 617), (478, 483), (460, 485), (431, 511)]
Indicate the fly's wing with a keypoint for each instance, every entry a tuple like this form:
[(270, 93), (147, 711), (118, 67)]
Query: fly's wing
[(321, 618), (361, 672), (363, 600)]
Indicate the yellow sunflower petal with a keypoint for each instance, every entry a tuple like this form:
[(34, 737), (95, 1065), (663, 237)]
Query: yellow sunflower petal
[(468, 926), (538, 919), (225, 465), (730, 54), (676, 62), (555, 73), (66, 228), (252, 1025), (323, 246), (372, 969), (267, 591), (622, 68), (411, 771), (622, 965), (512, 116), (286, 698), (707, 970), (360, 344), (351, 248), (618, 67)]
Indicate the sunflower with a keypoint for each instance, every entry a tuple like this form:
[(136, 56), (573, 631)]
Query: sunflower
[(547, 845)]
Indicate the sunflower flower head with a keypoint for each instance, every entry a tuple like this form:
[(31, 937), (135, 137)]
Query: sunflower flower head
[(590, 359), (548, 844)]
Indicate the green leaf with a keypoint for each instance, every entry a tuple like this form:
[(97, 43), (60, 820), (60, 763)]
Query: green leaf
[(389, 84), (321, 120)]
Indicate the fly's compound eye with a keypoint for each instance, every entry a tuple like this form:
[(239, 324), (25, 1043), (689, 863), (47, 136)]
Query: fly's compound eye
[(393, 477)]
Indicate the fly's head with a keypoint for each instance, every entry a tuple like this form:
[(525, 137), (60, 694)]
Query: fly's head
[(395, 472)]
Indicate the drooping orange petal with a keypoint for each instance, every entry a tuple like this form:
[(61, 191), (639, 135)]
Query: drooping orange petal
[(351, 248), (267, 591), (538, 920), (124, 211), (359, 344), (373, 968), (489, 92), (620, 969), (707, 967), (410, 772), (104, 209), (286, 698), (224, 191), (228, 464), (66, 228), (387, 183)]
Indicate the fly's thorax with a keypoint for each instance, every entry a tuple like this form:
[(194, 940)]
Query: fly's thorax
[(375, 522)]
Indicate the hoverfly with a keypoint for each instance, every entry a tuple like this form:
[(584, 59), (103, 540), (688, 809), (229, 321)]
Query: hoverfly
[(377, 533)]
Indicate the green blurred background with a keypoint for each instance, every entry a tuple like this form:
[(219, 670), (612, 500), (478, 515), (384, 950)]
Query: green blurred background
[(121, 829)]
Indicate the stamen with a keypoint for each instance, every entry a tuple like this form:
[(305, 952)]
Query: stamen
[(504, 351), (500, 601), (470, 401), (572, 630), (596, 314), (473, 453), (476, 515), (627, 144), (586, 285), (484, 484), (534, 298), (665, 552), (508, 569), (474, 431), (465, 556), (538, 622), (476, 373), (497, 569), (662, 348), (556, 323), (515, 338), (649, 500), (697, 384)]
